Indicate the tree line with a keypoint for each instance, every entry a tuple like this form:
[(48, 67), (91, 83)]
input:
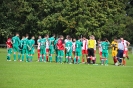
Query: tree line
[(102, 18)]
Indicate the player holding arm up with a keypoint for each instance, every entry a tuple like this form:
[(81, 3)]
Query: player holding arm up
[(31, 44), (51, 47), (78, 49), (9, 48), (68, 47), (15, 42), (105, 44)]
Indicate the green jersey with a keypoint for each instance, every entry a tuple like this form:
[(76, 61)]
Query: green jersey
[(15, 41), (51, 41), (21, 44), (68, 46), (104, 46), (31, 43), (78, 45), (55, 42), (25, 42), (42, 43)]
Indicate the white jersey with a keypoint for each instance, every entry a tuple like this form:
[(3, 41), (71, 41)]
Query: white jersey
[(38, 44), (120, 46), (124, 42), (47, 44), (95, 45), (66, 40), (85, 45), (73, 46), (100, 47)]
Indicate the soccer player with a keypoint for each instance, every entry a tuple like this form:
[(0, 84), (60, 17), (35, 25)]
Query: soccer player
[(84, 49), (73, 48), (100, 48), (47, 46), (15, 42), (120, 51), (31, 51), (114, 46), (105, 45), (94, 48), (56, 50), (9, 48), (60, 46), (51, 47), (125, 54), (38, 47), (20, 48), (65, 41), (91, 46), (78, 48), (68, 46), (43, 50)]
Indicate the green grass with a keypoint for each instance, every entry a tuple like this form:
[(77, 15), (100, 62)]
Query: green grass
[(53, 75)]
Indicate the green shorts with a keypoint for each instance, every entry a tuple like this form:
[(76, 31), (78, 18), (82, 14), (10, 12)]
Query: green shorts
[(77, 53), (105, 54), (15, 48), (69, 54), (42, 51), (60, 53), (9, 50), (51, 50), (24, 51), (31, 52)]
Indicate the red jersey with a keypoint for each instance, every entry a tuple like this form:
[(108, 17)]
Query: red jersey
[(60, 45), (9, 43)]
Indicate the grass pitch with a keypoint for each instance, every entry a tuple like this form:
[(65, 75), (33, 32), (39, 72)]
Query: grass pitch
[(54, 75)]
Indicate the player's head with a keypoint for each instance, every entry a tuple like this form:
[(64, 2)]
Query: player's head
[(84, 37), (91, 37), (9, 36), (53, 35), (121, 39), (105, 39), (23, 37), (46, 36), (67, 36), (17, 34), (61, 37), (27, 36), (33, 37), (39, 37), (115, 39), (74, 39)]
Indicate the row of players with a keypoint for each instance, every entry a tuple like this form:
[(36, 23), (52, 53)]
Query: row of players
[(47, 46)]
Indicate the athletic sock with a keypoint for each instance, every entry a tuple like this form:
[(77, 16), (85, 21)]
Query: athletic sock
[(40, 58), (18, 56), (124, 62), (78, 60), (74, 60), (82, 59), (60, 59), (44, 58), (14, 56), (31, 58), (50, 58), (27, 57), (66, 60), (93, 61), (106, 61), (89, 61), (69, 60), (22, 57)]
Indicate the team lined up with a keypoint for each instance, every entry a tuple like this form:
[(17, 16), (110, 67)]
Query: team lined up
[(68, 47)]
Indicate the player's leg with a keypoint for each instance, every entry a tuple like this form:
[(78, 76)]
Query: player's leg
[(93, 56), (61, 55), (89, 56), (67, 57), (47, 54), (38, 52), (124, 61), (44, 55), (27, 54), (41, 54), (78, 60), (106, 58), (9, 51), (14, 50), (83, 55)]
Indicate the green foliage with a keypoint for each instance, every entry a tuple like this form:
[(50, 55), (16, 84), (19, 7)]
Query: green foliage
[(102, 18)]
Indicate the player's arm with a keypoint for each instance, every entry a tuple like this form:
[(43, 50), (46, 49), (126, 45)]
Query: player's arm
[(128, 43)]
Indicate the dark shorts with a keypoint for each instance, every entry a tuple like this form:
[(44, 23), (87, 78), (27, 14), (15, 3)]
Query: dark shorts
[(91, 52), (120, 53)]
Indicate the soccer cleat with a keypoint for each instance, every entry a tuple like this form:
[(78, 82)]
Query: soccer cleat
[(14, 60)]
